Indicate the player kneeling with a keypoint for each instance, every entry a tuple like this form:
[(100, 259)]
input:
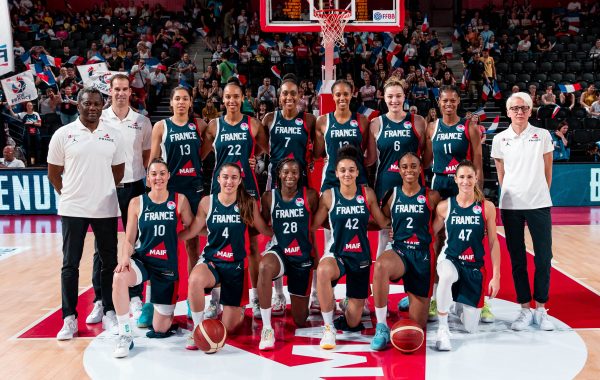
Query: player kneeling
[(155, 215), (409, 256), (467, 217)]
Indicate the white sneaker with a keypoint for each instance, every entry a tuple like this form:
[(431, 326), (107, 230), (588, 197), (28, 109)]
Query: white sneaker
[(109, 322), (278, 304), (267, 339), (135, 308), (255, 308), (69, 328), (213, 310), (442, 341), (314, 307), (190, 343), (523, 321), (365, 311), (124, 344), (328, 339), (540, 317), (96, 314)]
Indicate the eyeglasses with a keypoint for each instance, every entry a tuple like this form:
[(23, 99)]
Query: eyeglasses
[(516, 109)]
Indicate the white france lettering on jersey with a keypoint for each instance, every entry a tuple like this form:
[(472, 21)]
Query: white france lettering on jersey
[(235, 136), (293, 213), (159, 215), (409, 208), (182, 136), (225, 218), (349, 210), (397, 133), (465, 219), (288, 130), (449, 136), (344, 133)]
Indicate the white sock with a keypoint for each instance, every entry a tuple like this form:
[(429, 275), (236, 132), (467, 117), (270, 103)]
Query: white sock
[(253, 295), (381, 314), (215, 295), (148, 288), (278, 285), (328, 317), (266, 317), (314, 285), (443, 320), (197, 317), (124, 325), (433, 295)]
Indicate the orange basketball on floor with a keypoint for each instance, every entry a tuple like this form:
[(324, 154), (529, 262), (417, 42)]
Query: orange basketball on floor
[(210, 335), (407, 336)]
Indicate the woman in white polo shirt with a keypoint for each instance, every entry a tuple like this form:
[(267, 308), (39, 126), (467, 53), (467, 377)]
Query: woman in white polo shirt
[(523, 156)]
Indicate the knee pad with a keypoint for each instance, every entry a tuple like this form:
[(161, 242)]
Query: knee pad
[(166, 310)]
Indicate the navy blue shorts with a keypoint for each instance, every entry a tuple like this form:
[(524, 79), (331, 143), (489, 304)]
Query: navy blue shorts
[(299, 275), (418, 271), (445, 185), (357, 282), (165, 283), (234, 284), (468, 289)]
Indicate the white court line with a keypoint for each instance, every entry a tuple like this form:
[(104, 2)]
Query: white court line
[(596, 292), (49, 313)]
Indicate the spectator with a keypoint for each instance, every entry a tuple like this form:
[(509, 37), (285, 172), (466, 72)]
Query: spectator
[(548, 98), (561, 143), (566, 100), (249, 104), (489, 66), (432, 116), (215, 91), (266, 92), (588, 97), (158, 81), (595, 109), (210, 112), (186, 69), (486, 33), (31, 140), (114, 62), (9, 161), (49, 103), (524, 44), (477, 71), (93, 51), (535, 97), (595, 50), (367, 93), (139, 80), (108, 38), (200, 95), (263, 109), (68, 106), (448, 79), (226, 69), (242, 23)]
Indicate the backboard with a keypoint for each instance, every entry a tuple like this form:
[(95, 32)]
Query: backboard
[(291, 16)]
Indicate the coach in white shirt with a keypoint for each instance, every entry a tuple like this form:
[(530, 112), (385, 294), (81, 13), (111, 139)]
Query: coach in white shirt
[(136, 132), (523, 156), (86, 161)]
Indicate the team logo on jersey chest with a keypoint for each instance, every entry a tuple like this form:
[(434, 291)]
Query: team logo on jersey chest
[(299, 202), (171, 205), (299, 121), (192, 126), (407, 125), (360, 199), (477, 209), (354, 123), (460, 128), (244, 126), (236, 208), (421, 199)]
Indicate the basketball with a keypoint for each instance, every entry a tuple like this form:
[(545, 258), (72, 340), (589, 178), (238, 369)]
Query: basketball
[(407, 336), (210, 335)]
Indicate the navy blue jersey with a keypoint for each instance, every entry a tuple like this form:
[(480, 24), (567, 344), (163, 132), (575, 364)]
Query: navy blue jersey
[(411, 220), (235, 144), (288, 139), (226, 241), (291, 225), (336, 136), (393, 141), (450, 145), (348, 219), (156, 245), (180, 147), (465, 230)]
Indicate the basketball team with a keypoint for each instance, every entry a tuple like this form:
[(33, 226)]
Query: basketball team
[(433, 238)]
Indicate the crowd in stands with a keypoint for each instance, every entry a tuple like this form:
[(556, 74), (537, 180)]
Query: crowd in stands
[(502, 51)]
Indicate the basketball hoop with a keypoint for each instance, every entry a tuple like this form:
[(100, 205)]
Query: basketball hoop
[(333, 21)]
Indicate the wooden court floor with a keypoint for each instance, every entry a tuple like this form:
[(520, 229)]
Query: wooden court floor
[(30, 289)]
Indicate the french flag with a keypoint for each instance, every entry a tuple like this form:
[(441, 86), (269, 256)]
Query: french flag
[(394, 61), (456, 34), (368, 112), (486, 92), (26, 58), (96, 58), (448, 51), (242, 78), (496, 90), (465, 79), (568, 88), (275, 70), (555, 111), (572, 20), (45, 75), (76, 60), (494, 125), (481, 113), (425, 25), (573, 29), (49, 60)]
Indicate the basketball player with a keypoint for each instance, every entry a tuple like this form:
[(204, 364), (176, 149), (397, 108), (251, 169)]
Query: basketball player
[(136, 131), (177, 140), (393, 135), (468, 218), (450, 140), (291, 252), (228, 214), (410, 256), (155, 216), (333, 131), (235, 138), (290, 134), (348, 207)]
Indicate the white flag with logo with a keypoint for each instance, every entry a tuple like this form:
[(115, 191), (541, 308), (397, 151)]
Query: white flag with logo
[(86, 71), (7, 57), (101, 80), (19, 88)]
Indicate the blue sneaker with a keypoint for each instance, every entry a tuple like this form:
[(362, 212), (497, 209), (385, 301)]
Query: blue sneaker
[(145, 318), (403, 304), (381, 338)]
